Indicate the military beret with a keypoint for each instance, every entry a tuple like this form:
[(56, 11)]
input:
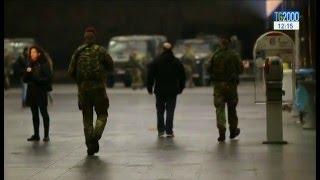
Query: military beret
[(90, 29)]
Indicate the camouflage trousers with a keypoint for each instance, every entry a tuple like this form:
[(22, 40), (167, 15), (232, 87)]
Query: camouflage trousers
[(226, 93), (189, 79), (95, 98), (136, 75)]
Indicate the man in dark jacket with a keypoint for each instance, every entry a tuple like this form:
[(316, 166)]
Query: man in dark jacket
[(19, 66), (166, 78)]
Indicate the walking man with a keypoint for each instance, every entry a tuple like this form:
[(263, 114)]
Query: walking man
[(166, 78), (225, 67), (88, 67)]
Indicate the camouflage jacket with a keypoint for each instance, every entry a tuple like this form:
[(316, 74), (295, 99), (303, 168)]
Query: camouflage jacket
[(105, 61), (225, 66), (134, 63), (188, 58)]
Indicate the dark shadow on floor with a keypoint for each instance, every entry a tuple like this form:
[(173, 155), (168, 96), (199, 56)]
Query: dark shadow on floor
[(166, 144), (92, 167), (37, 148)]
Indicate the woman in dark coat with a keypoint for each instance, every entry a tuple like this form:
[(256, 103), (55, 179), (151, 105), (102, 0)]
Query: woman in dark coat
[(38, 76)]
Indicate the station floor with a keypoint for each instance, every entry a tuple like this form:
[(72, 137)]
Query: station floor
[(131, 150)]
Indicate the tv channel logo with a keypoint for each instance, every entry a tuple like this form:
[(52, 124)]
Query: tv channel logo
[(286, 20)]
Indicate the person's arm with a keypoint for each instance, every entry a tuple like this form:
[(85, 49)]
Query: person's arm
[(27, 76), (45, 75), (239, 64), (72, 66), (237, 67), (210, 68), (182, 77), (150, 77), (107, 60), (139, 65)]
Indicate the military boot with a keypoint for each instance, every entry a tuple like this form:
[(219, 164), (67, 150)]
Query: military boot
[(90, 152), (234, 133), (222, 135), (95, 144), (90, 148)]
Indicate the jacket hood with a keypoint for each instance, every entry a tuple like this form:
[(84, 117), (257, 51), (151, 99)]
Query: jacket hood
[(167, 53)]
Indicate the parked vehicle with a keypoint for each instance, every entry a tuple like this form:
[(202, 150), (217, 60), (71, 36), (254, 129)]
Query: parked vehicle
[(202, 53), (120, 49)]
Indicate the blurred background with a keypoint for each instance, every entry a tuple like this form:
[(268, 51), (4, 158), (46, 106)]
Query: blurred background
[(58, 26)]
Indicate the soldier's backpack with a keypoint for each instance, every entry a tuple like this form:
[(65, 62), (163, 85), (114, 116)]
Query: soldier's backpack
[(224, 68), (89, 67)]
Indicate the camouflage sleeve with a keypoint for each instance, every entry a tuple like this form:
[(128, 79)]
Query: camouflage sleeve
[(72, 67), (239, 64), (107, 60), (182, 76), (210, 66), (150, 76)]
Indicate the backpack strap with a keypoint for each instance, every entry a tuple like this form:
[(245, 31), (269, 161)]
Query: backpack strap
[(98, 50), (77, 53)]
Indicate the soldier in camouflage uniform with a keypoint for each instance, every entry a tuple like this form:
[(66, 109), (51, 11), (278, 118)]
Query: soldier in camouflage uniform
[(135, 69), (89, 66), (188, 60), (225, 67)]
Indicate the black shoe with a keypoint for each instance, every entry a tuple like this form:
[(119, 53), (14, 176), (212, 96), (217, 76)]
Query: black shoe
[(46, 139), (222, 135), (93, 147), (34, 138), (161, 134), (234, 133)]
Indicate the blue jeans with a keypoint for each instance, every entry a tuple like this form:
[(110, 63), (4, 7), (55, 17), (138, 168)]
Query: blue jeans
[(168, 105), (23, 91)]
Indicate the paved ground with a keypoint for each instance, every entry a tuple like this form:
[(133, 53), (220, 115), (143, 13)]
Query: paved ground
[(130, 149)]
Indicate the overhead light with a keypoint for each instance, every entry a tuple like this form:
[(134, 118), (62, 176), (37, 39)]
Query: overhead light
[(271, 5)]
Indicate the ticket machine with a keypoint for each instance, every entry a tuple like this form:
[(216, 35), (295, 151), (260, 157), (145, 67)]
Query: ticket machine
[(273, 74), (273, 83)]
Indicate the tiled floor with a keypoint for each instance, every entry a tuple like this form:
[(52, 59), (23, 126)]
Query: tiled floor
[(130, 149)]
